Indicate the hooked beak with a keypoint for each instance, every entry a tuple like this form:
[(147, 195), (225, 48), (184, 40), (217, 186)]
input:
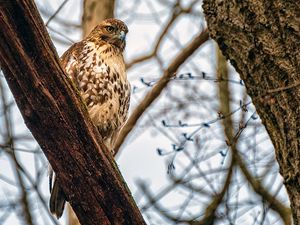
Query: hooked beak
[(122, 36)]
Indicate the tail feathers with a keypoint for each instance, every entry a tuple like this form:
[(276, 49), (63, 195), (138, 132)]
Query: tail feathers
[(57, 200)]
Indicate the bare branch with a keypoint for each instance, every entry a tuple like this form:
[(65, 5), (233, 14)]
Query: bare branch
[(177, 11), (56, 12), (10, 142), (160, 85), (224, 94)]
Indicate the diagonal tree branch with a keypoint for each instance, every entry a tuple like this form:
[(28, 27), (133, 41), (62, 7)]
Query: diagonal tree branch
[(160, 85), (58, 120)]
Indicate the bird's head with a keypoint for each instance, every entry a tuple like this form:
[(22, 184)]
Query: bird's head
[(112, 31)]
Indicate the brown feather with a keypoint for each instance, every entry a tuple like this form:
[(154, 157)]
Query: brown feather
[(57, 200)]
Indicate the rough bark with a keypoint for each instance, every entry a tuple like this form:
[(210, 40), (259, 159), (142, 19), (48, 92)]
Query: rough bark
[(95, 11), (262, 39), (57, 118)]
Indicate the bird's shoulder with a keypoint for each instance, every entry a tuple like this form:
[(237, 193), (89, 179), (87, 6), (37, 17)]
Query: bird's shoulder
[(72, 53), (69, 60)]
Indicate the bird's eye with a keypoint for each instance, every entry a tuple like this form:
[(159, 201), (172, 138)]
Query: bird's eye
[(110, 29)]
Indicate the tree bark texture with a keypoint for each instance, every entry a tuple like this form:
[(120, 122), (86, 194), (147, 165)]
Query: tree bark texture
[(58, 119), (94, 11), (262, 40)]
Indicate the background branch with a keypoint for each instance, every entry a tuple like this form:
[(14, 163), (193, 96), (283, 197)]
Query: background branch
[(225, 95), (201, 38), (10, 144)]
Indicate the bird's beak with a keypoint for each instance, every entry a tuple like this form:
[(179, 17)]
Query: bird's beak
[(122, 36)]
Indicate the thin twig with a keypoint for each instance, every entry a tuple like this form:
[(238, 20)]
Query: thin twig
[(296, 84), (10, 141), (209, 216), (177, 11), (276, 205), (161, 84), (56, 12)]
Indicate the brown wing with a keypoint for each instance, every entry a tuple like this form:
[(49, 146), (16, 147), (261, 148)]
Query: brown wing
[(69, 61)]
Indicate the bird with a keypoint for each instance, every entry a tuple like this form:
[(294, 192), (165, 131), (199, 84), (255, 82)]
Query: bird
[(96, 67)]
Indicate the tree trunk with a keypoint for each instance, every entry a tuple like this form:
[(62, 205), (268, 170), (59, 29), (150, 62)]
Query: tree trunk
[(58, 120), (262, 39), (95, 11)]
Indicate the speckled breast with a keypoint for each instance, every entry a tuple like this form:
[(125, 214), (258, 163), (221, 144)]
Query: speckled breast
[(104, 87)]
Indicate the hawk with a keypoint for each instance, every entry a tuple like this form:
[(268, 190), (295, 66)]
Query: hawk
[(96, 67)]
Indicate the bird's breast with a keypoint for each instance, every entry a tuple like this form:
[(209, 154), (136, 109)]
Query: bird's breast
[(104, 87)]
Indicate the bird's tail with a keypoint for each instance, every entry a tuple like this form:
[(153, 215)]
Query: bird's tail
[(57, 200)]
